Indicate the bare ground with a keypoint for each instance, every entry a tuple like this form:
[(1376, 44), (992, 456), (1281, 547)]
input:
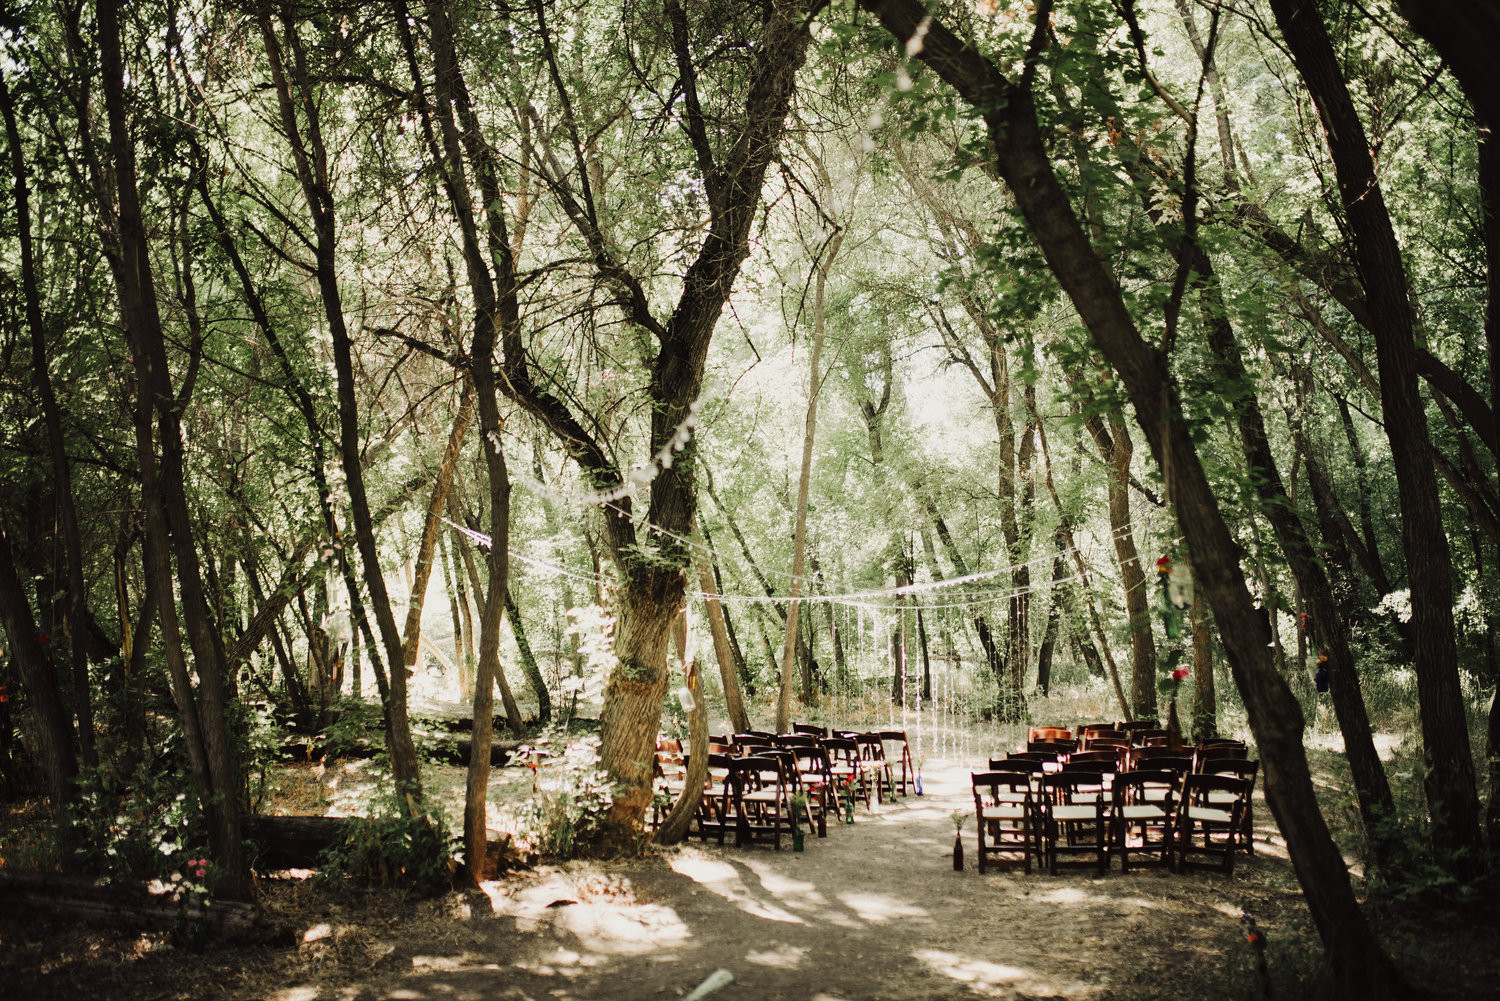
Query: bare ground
[(875, 910)]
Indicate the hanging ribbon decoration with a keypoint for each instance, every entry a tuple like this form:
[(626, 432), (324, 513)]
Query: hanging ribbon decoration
[(1175, 596)]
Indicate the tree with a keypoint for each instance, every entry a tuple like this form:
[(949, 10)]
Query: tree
[(1019, 157)]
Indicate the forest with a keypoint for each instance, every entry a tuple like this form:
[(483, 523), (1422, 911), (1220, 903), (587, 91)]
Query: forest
[(575, 372)]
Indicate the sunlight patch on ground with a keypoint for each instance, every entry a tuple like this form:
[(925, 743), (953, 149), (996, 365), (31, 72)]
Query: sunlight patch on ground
[(724, 879), (296, 994), (782, 956), (559, 962), (701, 869), (1064, 895), (880, 907), (983, 977), (609, 928)]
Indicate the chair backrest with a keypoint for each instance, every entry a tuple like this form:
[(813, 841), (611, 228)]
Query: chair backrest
[(1242, 767), (1094, 735), (1157, 786), (1048, 733), (995, 787), (797, 740), (1219, 752), (758, 771), (1072, 788), (1137, 724), (1105, 766), (871, 747), (810, 729), (1033, 756), (752, 742), (811, 759), (1014, 763), (1107, 755), (842, 751), (1096, 743), (1199, 789), (1059, 747), (1160, 757), (1086, 728), (1139, 736)]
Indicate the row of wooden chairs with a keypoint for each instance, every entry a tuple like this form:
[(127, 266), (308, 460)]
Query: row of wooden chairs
[(1163, 817), (1223, 758), (754, 778)]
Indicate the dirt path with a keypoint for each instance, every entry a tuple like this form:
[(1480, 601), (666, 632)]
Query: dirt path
[(875, 910)]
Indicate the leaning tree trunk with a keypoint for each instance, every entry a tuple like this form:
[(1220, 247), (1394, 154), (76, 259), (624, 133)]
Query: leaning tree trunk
[(1021, 160), (169, 522), (1452, 796), (310, 159)]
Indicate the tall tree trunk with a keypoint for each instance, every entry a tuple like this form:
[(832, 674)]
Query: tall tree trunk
[(54, 737), (169, 523), (62, 476), (1452, 795), (828, 252), (310, 158), (739, 721), (1117, 449), (1205, 698), (433, 524), (528, 662), (1020, 158)]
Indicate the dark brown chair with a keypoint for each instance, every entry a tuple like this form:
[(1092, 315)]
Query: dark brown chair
[(900, 755), (1048, 733), (850, 776), (1210, 818), (1075, 820), (1145, 817), (1005, 818), (1246, 770), (716, 814), (759, 784), (872, 753), (810, 729)]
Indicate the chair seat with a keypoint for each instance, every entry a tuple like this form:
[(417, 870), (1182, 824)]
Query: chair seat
[(1204, 814), (1074, 812), (1143, 811), (1006, 811)]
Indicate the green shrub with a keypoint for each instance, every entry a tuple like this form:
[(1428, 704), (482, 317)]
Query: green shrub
[(570, 793), (397, 845)]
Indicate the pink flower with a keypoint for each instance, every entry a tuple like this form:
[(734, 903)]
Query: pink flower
[(202, 872), (1179, 674)]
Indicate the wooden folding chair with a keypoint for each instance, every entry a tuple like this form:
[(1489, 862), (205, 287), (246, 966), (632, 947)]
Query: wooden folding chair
[(1076, 819), (1247, 770), (1145, 817), (1210, 818), (903, 756), (1006, 819), (762, 798)]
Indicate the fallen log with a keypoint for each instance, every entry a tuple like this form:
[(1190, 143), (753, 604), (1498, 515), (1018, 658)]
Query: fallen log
[(45, 896), (446, 750), (292, 842), (299, 842)]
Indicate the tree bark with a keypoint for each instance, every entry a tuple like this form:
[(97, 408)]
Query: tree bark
[(829, 252), (305, 141), (1020, 158), (169, 523), (1452, 796)]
